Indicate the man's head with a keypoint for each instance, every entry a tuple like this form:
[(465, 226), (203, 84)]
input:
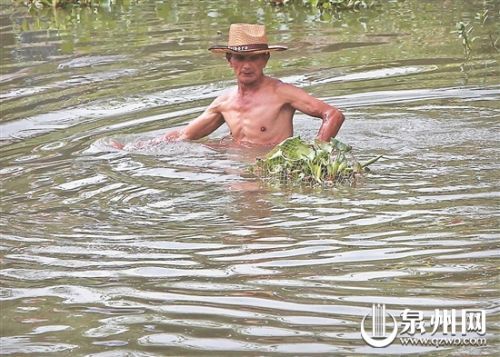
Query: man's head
[(248, 68), (247, 51)]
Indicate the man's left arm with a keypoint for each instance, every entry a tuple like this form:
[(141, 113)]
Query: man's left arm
[(307, 104)]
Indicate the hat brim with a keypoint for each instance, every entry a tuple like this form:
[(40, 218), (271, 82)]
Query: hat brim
[(225, 49)]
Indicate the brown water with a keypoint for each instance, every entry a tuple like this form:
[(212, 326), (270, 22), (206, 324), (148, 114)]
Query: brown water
[(172, 250)]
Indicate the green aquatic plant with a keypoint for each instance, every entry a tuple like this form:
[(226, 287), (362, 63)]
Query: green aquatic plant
[(320, 163), (328, 10), (485, 33), (463, 30), (40, 4), (331, 5), (482, 17)]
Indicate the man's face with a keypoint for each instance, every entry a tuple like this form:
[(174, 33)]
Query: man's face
[(248, 68)]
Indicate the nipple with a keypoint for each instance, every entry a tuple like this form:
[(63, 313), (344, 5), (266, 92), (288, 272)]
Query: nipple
[(262, 128)]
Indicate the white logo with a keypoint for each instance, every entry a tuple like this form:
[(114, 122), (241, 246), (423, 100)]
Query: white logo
[(417, 330), (379, 338), (238, 48)]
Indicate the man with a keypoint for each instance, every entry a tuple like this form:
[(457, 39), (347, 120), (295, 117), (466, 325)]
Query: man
[(260, 109)]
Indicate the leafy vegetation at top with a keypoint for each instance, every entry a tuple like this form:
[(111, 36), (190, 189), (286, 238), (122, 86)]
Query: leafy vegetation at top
[(332, 5), (339, 5), (464, 31), (40, 4)]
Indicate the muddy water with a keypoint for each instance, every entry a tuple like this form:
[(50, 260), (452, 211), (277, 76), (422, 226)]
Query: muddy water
[(175, 250)]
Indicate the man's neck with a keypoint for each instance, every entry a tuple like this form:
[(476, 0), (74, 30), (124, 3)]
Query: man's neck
[(252, 87)]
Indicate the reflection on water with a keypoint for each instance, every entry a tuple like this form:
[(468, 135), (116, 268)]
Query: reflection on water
[(175, 249)]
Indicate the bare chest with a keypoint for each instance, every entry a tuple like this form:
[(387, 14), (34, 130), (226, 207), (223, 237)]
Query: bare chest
[(253, 110), (254, 104)]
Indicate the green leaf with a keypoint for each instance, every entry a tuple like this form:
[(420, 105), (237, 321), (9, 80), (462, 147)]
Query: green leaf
[(295, 149), (371, 161)]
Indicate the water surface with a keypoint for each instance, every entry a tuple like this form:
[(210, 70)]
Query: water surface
[(174, 249)]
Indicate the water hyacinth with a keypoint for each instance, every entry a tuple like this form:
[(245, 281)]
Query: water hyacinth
[(320, 163), (40, 4)]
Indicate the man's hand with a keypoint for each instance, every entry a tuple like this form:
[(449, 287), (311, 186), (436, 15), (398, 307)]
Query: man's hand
[(116, 144), (168, 137), (175, 135)]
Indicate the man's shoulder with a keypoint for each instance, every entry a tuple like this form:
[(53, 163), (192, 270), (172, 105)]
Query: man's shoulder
[(271, 81), (225, 95), (285, 89), (278, 86)]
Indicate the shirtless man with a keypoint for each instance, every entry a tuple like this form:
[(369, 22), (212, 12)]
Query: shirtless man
[(260, 109)]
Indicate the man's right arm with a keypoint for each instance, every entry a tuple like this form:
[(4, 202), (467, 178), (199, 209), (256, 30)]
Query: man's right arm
[(200, 127), (205, 124)]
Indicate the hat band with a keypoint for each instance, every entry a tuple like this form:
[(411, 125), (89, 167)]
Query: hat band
[(252, 47)]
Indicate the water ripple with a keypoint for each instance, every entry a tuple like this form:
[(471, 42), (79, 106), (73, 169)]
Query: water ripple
[(174, 248)]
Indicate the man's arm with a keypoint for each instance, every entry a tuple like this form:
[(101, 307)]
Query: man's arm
[(205, 124), (307, 104), (202, 126)]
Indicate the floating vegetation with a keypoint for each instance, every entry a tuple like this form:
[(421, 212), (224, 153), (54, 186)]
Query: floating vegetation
[(335, 5), (329, 10), (294, 161), (40, 4), (339, 5)]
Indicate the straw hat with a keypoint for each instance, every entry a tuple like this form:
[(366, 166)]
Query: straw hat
[(246, 38)]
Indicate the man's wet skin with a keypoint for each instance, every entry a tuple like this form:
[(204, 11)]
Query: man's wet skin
[(260, 109)]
